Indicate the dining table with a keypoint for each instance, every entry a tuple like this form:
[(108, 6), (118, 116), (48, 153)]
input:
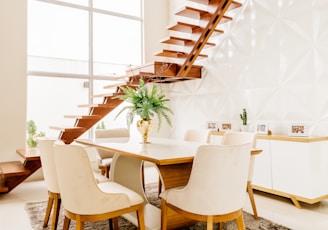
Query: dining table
[(173, 159)]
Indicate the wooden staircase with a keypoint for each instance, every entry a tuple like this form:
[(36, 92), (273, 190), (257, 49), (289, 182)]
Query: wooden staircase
[(207, 14), (15, 172), (184, 46)]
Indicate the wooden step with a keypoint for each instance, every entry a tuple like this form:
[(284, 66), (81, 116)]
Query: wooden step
[(4, 189), (189, 28), (234, 4), (68, 129), (13, 169), (91, 117), (114, 85), (97, 106), (176, 54), (173, 40), (194, 13)]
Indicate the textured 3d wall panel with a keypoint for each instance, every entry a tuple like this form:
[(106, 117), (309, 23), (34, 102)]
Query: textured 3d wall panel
[(271, 60)]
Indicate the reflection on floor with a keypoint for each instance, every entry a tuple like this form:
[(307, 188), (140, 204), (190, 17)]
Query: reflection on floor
[(277, 209)]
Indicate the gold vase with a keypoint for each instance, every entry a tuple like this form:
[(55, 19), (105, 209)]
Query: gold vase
[(144, 127)]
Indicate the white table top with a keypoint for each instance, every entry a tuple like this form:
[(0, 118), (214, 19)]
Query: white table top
[(159, 151)]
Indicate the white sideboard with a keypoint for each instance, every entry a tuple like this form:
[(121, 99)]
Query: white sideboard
[(292, 167)]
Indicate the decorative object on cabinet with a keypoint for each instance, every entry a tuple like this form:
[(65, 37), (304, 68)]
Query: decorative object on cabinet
[(243, 117), (213, 125), (225, 126), (298, 129), (146, 102), (262, 128)]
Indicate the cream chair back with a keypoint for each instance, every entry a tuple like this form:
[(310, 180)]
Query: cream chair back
[(217, 181), (110, 135), (237, 138), (46, 149), (78, 187), (197, 135), (233, 138)]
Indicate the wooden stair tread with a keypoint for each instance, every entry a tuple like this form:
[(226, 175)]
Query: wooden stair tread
[(191, 28), (234, 5), (28, 157), (176, 54), (92, 117), (68, 129), (114, 85), (173, 40), (96, 106), (209, 2), (4, 189), (103, 95), (192, 12), (13, 168)]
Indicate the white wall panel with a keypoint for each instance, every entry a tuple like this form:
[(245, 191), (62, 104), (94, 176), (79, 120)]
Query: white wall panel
[(272, 61)]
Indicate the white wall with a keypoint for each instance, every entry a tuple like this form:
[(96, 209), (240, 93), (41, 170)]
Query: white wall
[(155, 21), (13, 14), (272, 60)]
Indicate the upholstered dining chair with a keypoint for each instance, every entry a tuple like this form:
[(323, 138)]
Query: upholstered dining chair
[(236, 137), (83, 199), (196, 135), (50, 178), (104, 157), (216, 190), (46, 149)]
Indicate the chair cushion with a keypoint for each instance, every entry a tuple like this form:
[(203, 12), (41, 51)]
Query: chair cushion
[(112, 187), (106, 162), (100, 178)]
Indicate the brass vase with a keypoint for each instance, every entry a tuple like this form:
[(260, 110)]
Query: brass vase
[(144, 127)]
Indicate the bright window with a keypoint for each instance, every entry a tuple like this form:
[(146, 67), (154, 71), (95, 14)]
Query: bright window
[(72, 46)]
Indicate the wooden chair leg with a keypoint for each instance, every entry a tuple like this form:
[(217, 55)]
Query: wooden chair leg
[(115, 221), (48, 211), (209, 223), (141, 220), (56, 210), (220, 226), (251, 197), (143, 176), (107, 168), (164, 215), (240, 222), (67, 222), (79, 224), (159, 186)]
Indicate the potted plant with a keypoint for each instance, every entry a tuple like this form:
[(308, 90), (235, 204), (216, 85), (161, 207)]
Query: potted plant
[(243, 117), (32, 136), (145, 102)]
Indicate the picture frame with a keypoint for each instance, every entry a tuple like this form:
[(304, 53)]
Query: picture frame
[(225, 126), (262, 128), (298, 129), (213, 125)]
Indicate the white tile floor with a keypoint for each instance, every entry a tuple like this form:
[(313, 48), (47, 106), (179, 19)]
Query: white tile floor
[(280, 210)]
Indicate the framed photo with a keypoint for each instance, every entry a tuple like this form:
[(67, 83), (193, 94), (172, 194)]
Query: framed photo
[(213, 125), (225, 126), (262, 128), (298, 129)]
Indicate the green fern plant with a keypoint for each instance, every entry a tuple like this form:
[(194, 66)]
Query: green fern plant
[(146, 103)]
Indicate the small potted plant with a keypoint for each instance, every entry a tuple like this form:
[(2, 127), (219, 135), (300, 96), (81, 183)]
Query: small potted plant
[(32, 135), (243, 117), (145, 102)]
